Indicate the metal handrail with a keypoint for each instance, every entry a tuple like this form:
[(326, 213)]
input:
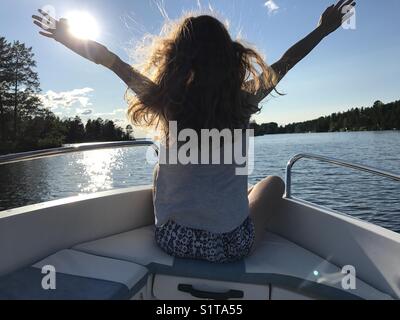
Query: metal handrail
[(334, 161), (32, 155)]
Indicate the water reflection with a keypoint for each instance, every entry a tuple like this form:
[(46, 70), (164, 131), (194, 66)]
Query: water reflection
[(58, 177), (97, 167)]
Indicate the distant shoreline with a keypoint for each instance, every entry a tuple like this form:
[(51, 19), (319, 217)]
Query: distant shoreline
[(348, 131), (379, 117)]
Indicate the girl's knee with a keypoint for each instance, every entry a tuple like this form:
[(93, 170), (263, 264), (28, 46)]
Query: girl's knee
[(272, 186), (274, 182)]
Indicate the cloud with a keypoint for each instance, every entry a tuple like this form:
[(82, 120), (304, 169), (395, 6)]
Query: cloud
[(114, 113), (271, 6), (77, 102), (118, 116), (84, 112), (67, 99)]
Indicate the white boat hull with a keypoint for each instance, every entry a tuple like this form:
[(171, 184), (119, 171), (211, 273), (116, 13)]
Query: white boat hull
[(302, 256)]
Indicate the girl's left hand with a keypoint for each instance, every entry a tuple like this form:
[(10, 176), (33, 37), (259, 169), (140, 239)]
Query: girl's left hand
[(59, 31), (335, 16), (53, 28)]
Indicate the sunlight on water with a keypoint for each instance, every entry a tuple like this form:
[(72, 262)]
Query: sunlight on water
[(97, 166)]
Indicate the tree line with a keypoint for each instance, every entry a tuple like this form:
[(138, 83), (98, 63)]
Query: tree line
[(376, 118), (24, 123)]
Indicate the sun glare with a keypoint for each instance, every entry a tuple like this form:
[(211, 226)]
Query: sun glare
[(83, 25)]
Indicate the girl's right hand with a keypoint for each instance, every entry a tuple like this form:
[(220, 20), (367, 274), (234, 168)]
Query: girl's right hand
[(335, 16)]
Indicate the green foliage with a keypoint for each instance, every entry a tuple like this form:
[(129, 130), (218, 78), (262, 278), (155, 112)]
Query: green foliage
[(378, 117), (24, 124), (45, 130)]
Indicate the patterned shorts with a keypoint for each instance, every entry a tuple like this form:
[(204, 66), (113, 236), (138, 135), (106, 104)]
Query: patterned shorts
[(183, 242)]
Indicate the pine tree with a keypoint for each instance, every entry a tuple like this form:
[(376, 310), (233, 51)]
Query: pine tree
[(25, 83), (5, 83)]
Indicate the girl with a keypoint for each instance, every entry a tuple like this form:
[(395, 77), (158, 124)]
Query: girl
[(199, 77)]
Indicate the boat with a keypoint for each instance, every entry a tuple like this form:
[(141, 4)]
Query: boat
[(101, 247)]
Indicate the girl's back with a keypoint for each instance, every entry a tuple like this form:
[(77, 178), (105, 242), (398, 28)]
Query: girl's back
[(208, 197), (202, 181)]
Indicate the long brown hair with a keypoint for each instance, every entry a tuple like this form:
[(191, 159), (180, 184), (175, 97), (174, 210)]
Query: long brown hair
[(200, 75)]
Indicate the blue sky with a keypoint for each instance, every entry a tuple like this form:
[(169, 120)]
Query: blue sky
[(351, 68)]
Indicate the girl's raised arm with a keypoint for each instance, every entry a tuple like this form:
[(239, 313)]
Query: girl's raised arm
[(91, 50), (330, 21)]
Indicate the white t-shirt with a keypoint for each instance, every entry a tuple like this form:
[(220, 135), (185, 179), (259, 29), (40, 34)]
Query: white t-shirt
[(210, 197)]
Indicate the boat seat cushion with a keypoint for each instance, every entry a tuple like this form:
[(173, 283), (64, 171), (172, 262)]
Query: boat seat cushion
[(276, 261), (78, 276)]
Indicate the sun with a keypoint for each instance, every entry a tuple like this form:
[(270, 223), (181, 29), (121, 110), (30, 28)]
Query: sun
[(83, 25)]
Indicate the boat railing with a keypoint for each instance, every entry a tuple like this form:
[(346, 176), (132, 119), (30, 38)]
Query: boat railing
[(333, 161), (73, 148)]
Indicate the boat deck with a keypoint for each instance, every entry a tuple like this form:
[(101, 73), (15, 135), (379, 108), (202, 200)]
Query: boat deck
[(131, 266)]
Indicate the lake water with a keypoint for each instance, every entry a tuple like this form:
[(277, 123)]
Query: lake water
[(361, 195)]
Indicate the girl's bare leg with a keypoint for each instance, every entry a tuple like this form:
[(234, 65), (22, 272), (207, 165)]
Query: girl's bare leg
[(264, 200), (155, 176)]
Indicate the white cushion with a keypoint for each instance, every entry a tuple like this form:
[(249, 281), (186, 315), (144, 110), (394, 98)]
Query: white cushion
[(279, 256), (138, 246), (80, 264)]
